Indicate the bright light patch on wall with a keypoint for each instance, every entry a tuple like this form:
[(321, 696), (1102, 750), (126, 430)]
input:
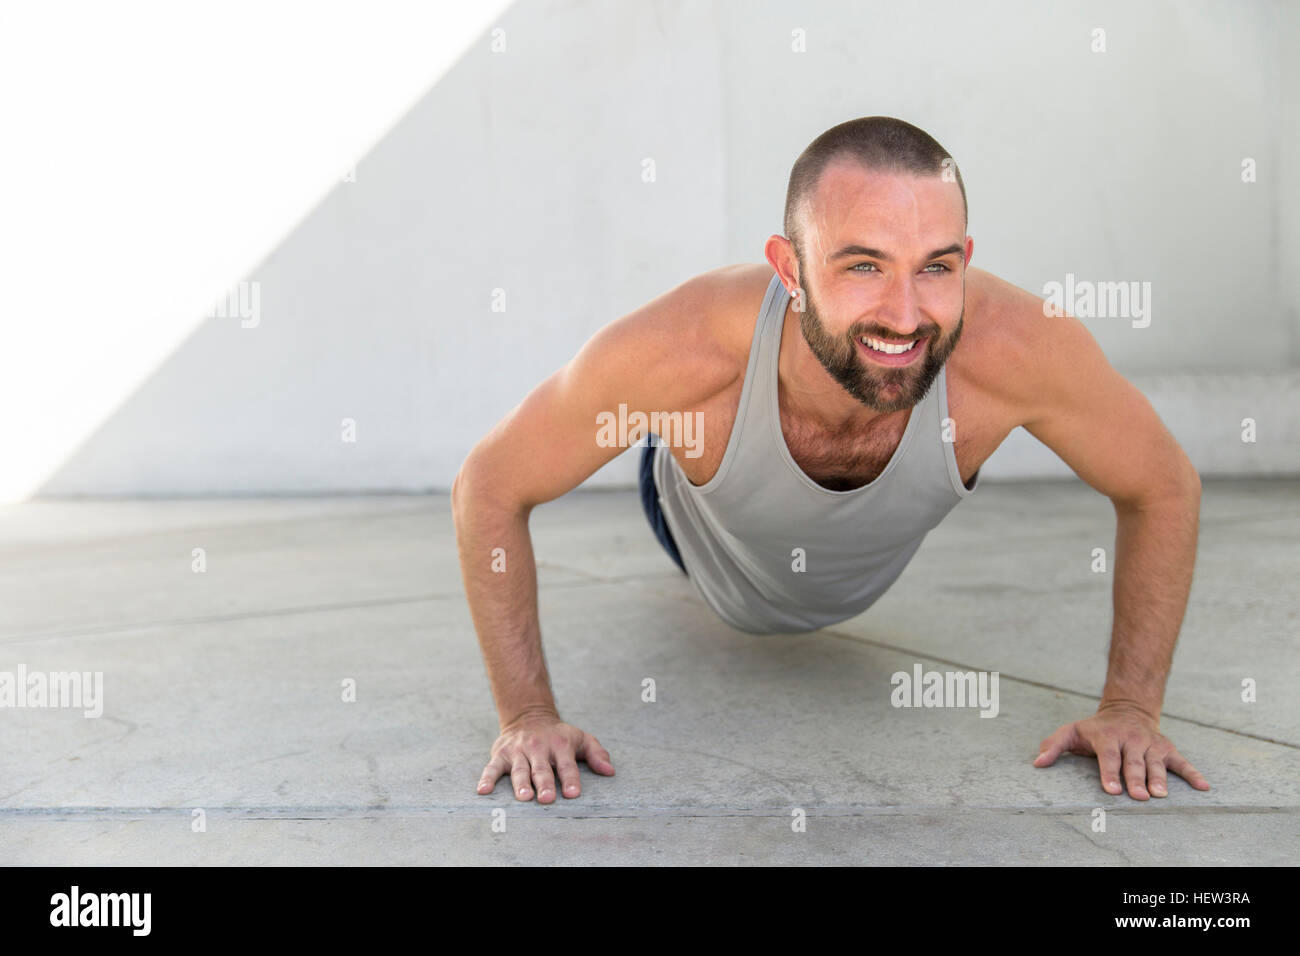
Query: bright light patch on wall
[(153, 154)]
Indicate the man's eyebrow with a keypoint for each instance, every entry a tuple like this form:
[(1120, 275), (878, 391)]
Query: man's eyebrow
[(854, 250)]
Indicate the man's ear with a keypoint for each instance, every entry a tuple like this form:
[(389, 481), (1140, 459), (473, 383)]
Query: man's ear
[(779, 252)]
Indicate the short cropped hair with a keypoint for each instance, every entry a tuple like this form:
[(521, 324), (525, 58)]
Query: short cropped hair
[(877, 142)]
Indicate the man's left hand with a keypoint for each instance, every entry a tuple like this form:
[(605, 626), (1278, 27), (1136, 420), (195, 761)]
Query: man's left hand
[(1123, 736)]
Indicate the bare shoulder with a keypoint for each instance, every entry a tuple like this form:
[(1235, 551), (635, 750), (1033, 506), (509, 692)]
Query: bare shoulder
[(1057, 383), (741, 290), (1005, 338), (677, 352), (733, 296), (692, 342), (1001, 314)]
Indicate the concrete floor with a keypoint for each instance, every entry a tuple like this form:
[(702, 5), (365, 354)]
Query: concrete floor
[(222, 692)]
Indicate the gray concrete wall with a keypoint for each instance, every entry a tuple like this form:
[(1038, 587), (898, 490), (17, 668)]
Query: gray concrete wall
[(1286, 39), (524, 171)]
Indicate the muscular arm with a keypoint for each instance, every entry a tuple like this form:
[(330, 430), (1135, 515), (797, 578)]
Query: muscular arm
[(1155, 550), (1108, 433), (652, 359)]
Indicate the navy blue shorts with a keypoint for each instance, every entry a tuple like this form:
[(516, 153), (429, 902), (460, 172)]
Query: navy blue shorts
[(650, 503)]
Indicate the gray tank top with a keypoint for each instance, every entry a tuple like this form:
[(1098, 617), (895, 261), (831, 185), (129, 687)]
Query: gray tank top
[(738, 534)]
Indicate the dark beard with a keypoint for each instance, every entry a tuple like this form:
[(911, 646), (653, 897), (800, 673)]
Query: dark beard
[(881, 390)]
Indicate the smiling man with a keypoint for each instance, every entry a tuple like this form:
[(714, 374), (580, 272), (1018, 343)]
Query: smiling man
[(850, 390)]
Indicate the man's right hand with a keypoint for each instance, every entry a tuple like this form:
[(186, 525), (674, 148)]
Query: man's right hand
[(530, 746)]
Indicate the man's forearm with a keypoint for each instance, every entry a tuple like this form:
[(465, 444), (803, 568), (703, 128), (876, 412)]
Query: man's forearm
[(1155, 553), (501, 587)]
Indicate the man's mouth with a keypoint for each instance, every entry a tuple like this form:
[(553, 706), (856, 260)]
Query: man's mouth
[(889, 352)]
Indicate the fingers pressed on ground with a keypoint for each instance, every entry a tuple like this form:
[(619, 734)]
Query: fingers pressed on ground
[(1135, 771), (1050, 749), (1064, 741), (1108, 762), (1156, 780), (491, 774), (1183, 767), (519, 777), (570, 778), (543, 778), (596, 756)]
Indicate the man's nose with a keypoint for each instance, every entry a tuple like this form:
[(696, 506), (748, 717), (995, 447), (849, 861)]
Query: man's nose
[(900, 312)]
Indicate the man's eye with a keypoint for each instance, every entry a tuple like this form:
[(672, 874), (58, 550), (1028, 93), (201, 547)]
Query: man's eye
[(861, 264), (939, 265)]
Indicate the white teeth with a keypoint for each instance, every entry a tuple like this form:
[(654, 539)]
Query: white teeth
[(888, 349)]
